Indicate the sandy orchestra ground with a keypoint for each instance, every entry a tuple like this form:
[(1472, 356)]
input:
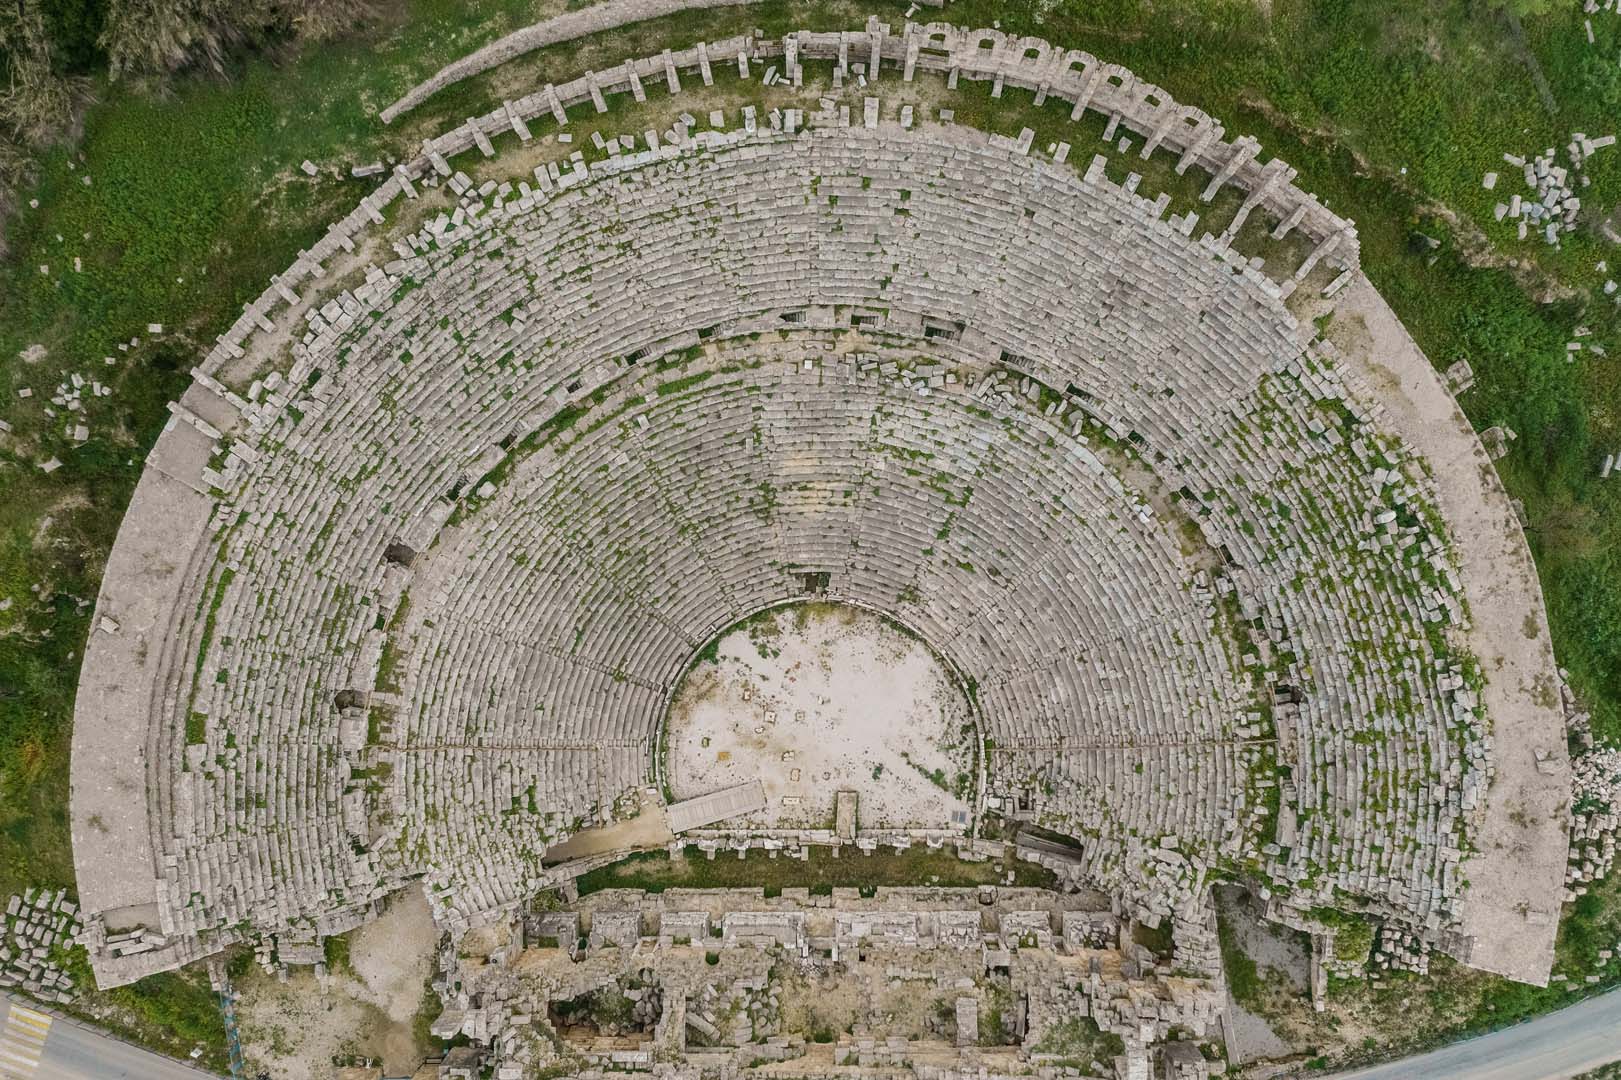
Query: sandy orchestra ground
[(817, 698)]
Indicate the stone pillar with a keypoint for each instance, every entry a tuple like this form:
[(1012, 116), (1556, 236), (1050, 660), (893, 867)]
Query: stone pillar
[(1287, 225), (480, 140), (1245, 150), (703, 65), (436, 159), (597, 100), (742, 63), (1197, 147), (1273, 173), (672, 78), (1166, 125), (1319, 253), (877, 55), (911, 62), (405, 182), (258, 317), (636, 90), (1084, 98), (558, 112), (519, 128)]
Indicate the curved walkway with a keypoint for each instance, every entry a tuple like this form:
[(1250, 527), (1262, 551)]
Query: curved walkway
[(565, 27), (1553, 1047)]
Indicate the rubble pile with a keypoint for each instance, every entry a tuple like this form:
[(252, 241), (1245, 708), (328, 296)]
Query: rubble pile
[(1554, 206), (1595, 819), (1396, 949), (39, 923)]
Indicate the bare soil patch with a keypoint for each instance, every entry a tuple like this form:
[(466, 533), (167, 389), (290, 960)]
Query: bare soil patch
[(296, 1029), (820, 698)]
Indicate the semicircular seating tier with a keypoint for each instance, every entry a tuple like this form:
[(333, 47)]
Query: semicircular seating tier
[(417, 588)]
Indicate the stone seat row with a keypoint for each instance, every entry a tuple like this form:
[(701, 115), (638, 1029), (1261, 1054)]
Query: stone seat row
[(475, 372)]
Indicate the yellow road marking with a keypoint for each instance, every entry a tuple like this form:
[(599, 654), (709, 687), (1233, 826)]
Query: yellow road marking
[(22, 1042)]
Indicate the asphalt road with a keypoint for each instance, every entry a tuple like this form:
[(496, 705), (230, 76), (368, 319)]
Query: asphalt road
[(37, 1046), (1552, 1047)]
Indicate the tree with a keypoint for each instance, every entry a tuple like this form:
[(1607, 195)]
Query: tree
[(37, 102), (161, 36)]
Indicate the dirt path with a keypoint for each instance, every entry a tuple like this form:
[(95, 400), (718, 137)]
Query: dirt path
[(650, 828), (295, 1029)]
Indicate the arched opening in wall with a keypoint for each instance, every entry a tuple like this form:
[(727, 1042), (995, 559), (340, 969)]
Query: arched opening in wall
[(350, 699), (399, 554), (846, 718)]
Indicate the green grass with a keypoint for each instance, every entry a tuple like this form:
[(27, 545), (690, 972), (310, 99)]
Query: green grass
[(1243, 977), (172, 1013), (1156, 939), (336, 951), (1078, 1041), (656, 871), (1611, 1071)]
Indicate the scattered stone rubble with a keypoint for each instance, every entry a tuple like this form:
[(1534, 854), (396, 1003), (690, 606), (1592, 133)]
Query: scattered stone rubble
[(1555, 205), (1595, 807), (39, 924)]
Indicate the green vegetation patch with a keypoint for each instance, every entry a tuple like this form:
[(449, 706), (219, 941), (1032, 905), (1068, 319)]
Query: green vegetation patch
[(821, 872), (1077, 1042)]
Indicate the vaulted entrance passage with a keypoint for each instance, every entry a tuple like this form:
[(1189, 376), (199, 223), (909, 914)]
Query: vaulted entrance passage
[(819, 698)]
